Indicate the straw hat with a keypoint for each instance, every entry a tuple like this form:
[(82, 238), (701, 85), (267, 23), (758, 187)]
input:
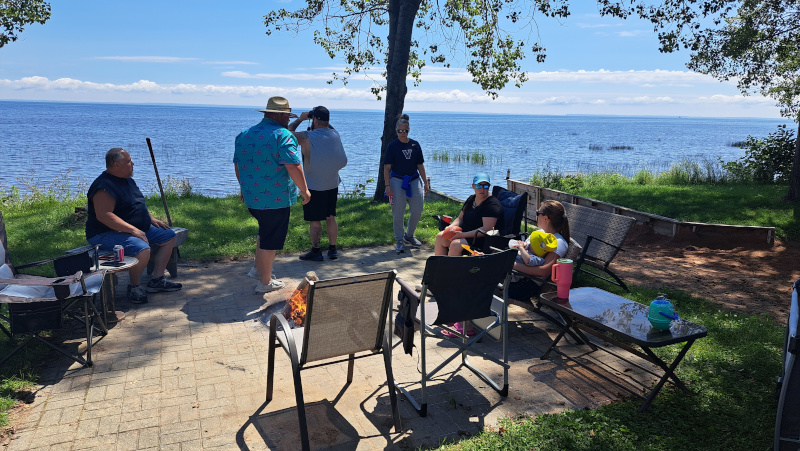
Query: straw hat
[(278, 104)]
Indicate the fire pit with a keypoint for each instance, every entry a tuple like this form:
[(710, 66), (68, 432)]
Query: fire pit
[(292, 308)]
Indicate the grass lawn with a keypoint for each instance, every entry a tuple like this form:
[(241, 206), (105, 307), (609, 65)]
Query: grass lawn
[(219, 228), (718, 204)]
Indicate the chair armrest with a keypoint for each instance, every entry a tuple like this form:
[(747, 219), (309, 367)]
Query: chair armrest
[(286, 330), (44, 281), (408, 289), (34, 264)]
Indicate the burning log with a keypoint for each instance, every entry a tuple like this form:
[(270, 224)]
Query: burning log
[(296, 304)]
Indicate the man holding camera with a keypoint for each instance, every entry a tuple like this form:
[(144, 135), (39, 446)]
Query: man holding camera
[(323, 157)]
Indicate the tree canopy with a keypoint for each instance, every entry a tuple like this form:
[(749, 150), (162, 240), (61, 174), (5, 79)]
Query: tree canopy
[(754, 42), (489, 37), (15, 14)]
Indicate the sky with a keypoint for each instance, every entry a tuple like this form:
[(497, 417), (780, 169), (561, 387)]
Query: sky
[(218, 53)]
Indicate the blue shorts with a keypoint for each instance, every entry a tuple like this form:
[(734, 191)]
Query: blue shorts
[(133, 246)]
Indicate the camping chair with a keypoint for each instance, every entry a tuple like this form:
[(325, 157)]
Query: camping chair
[(37, 304), (463, 288), (344, 317)]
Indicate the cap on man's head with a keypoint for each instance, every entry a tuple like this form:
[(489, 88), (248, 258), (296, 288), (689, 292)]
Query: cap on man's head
[(480, 177), (321, 113), (278, 104)]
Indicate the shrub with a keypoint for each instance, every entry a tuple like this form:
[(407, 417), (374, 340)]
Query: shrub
[(644, 177), (174, 187), (685, 172), (767, 160), (31, 189), (359, 192)]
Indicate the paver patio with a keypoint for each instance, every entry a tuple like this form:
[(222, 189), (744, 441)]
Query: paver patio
[(188, 371)]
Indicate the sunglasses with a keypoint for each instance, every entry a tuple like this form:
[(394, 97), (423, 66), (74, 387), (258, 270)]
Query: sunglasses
[(540, 213), (483, 185), (401, 131)]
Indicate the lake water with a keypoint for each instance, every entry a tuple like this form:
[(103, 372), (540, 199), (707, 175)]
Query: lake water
[(47, 139)]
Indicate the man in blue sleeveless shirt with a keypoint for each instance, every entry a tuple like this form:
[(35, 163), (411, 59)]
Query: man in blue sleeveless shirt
[(323, 157), (118, 215)]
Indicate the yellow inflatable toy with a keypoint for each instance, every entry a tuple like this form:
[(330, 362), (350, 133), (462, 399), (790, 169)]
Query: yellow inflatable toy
[(542, 242)]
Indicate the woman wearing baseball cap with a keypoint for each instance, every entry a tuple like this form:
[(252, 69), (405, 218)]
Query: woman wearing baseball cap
[(480, 213)]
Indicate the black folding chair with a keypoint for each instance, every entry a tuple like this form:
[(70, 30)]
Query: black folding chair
[(463, 288)]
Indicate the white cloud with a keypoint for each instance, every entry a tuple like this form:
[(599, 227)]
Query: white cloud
[(146, 59), (231, 63), (596, 101), (369, 75), (648, 78), (599, 25), (292, 76), (146, 86), (622, 76), (719, 98), (643, 100), (630, 33)]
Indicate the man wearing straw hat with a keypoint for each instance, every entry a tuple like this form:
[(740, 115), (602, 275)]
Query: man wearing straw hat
[(268, 167)]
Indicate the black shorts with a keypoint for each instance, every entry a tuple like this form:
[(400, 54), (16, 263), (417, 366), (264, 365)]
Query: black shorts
[(273, 225), (321, 205)]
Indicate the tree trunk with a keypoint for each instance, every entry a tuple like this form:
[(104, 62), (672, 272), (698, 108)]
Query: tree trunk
[(402, 14), (794, 180)]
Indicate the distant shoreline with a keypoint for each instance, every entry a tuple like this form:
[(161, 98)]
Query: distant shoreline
[(380, 110)]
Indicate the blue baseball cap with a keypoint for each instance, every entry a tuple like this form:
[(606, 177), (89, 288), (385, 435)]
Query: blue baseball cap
[(480, 177)]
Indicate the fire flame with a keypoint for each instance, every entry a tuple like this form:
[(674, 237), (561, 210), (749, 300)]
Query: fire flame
[(298, 304)]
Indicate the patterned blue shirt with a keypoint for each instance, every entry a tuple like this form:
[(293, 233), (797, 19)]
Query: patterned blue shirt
[(261, 153)]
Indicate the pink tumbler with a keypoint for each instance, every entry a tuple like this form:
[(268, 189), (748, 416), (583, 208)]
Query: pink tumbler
[(562, 276)]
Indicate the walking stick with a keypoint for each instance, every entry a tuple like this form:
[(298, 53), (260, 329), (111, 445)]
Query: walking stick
[(160, 188)]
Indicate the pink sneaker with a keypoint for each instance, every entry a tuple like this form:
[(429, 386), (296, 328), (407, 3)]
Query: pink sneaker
[(459, 329)]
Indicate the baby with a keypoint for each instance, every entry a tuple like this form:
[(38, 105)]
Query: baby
[(531, 252)]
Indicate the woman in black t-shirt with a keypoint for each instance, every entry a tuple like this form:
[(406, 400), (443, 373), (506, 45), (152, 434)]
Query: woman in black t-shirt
[(481, 213)]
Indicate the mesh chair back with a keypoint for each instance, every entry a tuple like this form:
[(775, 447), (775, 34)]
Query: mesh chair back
[(346, 316), (610, 227), (514, 206), (463, 286)]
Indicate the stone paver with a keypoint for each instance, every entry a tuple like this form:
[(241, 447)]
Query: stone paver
[(188, 371)]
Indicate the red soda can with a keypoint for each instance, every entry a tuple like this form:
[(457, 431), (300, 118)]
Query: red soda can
[(119, 253)]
